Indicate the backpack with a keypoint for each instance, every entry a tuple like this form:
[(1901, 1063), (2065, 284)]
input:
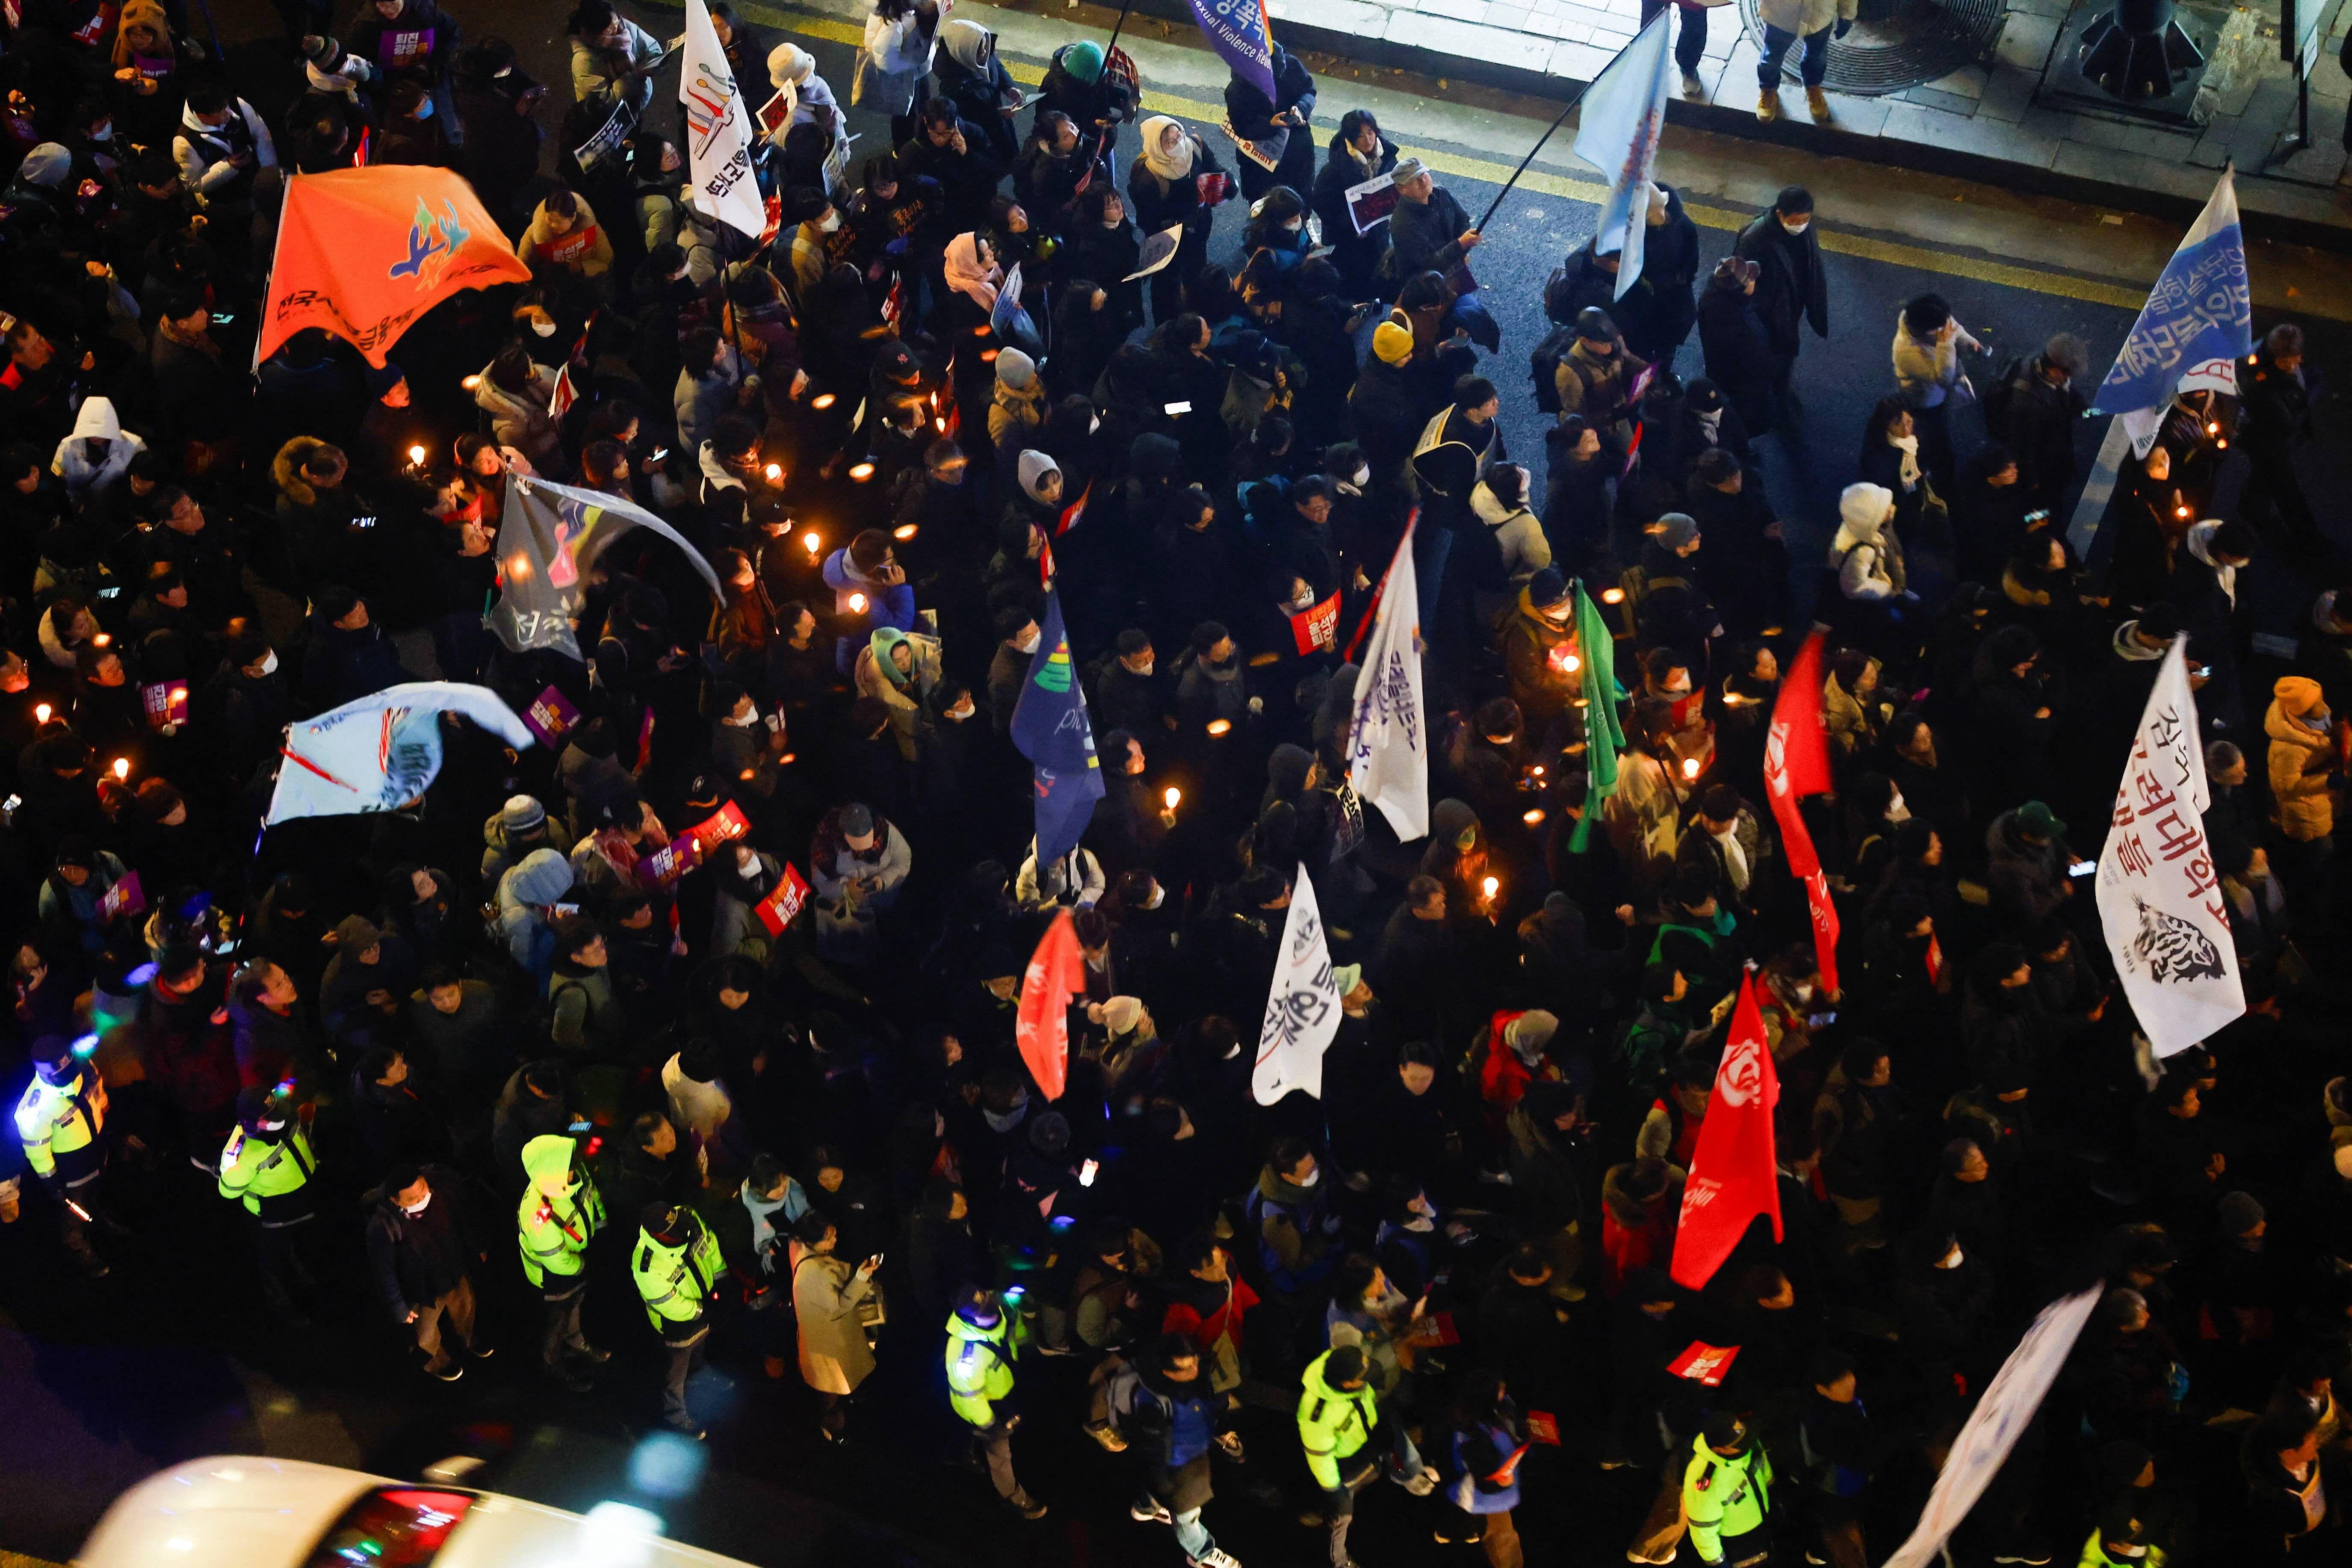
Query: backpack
[(2001, 395), (1559, 298), (1544, 365)]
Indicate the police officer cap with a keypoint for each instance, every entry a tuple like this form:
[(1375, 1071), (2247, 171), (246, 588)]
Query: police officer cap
[(1725, 1430)]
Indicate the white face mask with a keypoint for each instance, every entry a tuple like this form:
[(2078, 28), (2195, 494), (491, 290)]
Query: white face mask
[(1294, 225), (1029, 644), (832, 221), (1955, 1260), (269, 662), (1897, 811), (1805, 992), (1311, 1177), (420, 1208), (1148, 666), (544, 329), (1796, 227), (1361, 477)]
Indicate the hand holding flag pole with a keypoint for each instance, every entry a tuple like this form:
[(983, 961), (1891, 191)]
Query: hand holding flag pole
[(1561, 119)]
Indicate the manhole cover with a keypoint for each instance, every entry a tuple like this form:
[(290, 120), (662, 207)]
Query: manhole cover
[(1899, 43)]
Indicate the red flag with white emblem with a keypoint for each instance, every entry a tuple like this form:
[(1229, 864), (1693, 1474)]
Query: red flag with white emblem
[(1056, 974), (1733, 1174)]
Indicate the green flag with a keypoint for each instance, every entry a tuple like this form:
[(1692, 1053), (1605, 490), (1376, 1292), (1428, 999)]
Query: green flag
[(1604, 736)]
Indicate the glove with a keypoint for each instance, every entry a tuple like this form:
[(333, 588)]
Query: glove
[(1844, 25)]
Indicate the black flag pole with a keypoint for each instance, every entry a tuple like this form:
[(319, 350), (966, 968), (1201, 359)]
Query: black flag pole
[(1118, 27), (1561, 119)]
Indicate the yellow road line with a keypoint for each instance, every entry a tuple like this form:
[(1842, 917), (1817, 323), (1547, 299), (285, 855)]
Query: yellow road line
[(2003, 274)]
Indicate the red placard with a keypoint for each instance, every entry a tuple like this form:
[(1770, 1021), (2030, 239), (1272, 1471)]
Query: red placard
[(166, 703), (778, 908), (1316, 629), (1543, 1427), (721, 826), (1703, 1362)]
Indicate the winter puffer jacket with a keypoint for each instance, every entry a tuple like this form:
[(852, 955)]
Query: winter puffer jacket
[(2301, 759)]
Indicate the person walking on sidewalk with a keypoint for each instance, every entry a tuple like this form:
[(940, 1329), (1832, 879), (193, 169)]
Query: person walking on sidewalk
[(677, 1268), (1170, 1423), (985, 1338), (1791, 289), (1786, 23), (560, 1214), (423, 1239), (1340, 1429)]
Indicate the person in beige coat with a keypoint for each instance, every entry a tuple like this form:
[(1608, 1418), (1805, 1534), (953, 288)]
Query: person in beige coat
[(1785, 23), (833, 1302), (2301, 760)]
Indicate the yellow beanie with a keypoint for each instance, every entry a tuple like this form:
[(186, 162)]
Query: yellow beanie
[(1392, 343)]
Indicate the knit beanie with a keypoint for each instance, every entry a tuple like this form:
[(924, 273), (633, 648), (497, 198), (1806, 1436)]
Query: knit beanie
[(1392, 342)]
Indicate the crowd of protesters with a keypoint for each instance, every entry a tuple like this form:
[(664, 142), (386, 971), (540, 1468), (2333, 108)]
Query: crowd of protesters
[(802, 1137)]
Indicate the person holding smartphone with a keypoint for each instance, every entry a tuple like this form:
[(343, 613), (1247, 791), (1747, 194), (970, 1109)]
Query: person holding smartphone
[(838, 1307)]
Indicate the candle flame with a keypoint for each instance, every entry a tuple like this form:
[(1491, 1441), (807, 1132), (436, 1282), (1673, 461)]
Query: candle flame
[(810, 542), (416, 455), (1613, 595), (862, 472), (823, 400), (857, 604), (1532, 816), (775, 473), (1220, 726), (903, 533), (41, 711), (1690, 767), (1492, 885), (1173, 796), (122, 767)]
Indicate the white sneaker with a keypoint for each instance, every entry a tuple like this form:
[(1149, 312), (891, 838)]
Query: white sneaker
[(1422, 1484), (1218, 1557), (1148, 1511)]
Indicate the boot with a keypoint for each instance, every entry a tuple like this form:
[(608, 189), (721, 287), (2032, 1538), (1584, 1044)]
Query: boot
[(1818, 102), (1768, 105)]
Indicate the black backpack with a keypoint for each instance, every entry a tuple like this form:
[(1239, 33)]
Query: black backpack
[(1544, 365), (2001, 395), (1560, 297)]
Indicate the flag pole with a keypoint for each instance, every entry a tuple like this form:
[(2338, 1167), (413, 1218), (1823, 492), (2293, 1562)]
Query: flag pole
[(1118, 27), (1561, 119)]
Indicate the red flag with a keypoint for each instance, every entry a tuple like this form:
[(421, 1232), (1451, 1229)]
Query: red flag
[(1073, 511), (1733, 1174), (1056, 974), (1796, 765)]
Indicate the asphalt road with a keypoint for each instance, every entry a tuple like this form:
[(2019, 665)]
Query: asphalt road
[(169, 1358)]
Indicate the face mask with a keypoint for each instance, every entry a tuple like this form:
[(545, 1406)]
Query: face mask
[(1361, 477), (1311, 1178), (269, 662), (1955, 1260), (1294, 225), (420, 1208), (1148, 666), (1897, 811), (1029, 644), (832, 221), (1804, 993), (544, 329), (1680, 689), (103, 133), (1796, 227)]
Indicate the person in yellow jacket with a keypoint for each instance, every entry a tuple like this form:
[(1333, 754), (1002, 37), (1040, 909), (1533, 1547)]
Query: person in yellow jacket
[(266, 1169), (678, 1269), (1728, 1494), (1339, 1428), (61, 1124), (2120, 1540), (984, 1339), (561, 1212)]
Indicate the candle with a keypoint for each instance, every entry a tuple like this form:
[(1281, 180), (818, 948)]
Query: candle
[(1491, 885), (1690, 767), (122, 767), (417, 456), (810, 542), (775, 473), (1220, 726), (862, 472), (856, 603), (1613, 595), (823, 400), (1572, 664), (1532, 816), (904, 531), (1172, 795), (41, 711)]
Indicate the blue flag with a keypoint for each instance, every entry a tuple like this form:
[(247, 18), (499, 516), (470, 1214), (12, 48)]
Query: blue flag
[(1236, 30), (2199, 321), (1050, 728)]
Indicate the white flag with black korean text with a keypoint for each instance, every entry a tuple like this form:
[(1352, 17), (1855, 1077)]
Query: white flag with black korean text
[(2160, 899), (718, 130), (1388, 745), (1302, 1010)]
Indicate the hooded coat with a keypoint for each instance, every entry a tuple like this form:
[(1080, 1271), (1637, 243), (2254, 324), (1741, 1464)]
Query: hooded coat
[(2302, 758), (72, 463), (1865, 555)]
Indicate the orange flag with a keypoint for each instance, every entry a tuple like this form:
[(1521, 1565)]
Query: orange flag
[(362, 253), (1734, 1170), (1056, 974)]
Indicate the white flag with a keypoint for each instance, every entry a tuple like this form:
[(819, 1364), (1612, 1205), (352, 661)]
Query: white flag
[(1617, 132), (718, 130), (379, 753), (2167, 927), (1993, 1428), (1302, 1011), (1388, 747)]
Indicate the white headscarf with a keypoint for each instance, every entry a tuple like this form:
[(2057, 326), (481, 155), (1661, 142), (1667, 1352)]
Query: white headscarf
[(1175, 165), (965, 274)]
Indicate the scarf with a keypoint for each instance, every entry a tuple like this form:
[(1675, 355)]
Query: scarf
[(966, 276), (1711, 427), (1168, 166), (1909, 447)]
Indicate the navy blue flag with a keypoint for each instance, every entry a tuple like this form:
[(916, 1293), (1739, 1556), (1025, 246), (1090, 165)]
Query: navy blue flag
[(1050, 727), (1236, 30), (2198, 323)]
